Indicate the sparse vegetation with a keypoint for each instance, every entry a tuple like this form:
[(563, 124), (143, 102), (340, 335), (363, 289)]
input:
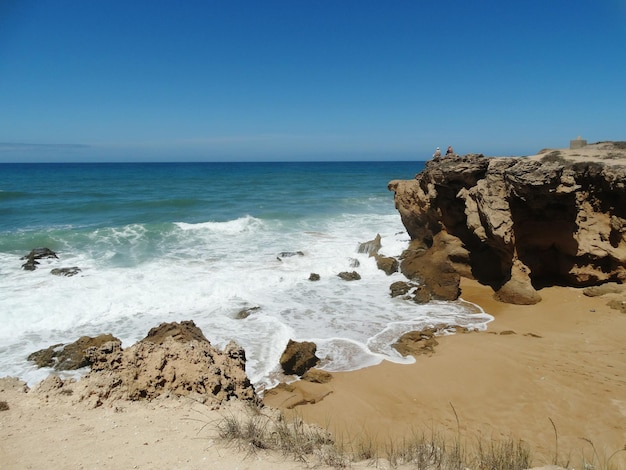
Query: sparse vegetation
[(616, 144), (553, 157), (260, 429)]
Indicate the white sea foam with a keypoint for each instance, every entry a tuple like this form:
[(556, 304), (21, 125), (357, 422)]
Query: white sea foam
[(210, 271)]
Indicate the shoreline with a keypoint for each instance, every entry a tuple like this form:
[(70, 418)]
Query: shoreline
[(560, 361)]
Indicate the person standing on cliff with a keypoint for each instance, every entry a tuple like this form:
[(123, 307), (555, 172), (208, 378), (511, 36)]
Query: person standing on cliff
[(437, 153), (449, 151)]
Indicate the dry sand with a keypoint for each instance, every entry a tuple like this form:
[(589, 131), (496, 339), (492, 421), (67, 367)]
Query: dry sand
[(565, 361)]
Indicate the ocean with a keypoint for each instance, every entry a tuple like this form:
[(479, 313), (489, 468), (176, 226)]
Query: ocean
[(162, 242)]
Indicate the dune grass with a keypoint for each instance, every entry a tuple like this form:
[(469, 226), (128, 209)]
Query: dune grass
[(264, 429), (261, 429)]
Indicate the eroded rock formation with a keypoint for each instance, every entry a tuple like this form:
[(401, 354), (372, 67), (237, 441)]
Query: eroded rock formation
[(517, 224), (174, 359)]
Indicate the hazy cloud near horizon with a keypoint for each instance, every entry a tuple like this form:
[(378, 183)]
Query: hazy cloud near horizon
[(13, 146)]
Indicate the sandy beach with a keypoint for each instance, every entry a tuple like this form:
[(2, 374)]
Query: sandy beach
[(561, 361)]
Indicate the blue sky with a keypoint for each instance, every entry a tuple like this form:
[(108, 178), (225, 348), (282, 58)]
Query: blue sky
[(109, 80)]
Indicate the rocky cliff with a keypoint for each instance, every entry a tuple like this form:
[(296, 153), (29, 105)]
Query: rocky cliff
[(517, 223)]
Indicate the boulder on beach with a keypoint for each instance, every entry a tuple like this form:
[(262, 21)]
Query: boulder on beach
[(415, 343), (299, 357)]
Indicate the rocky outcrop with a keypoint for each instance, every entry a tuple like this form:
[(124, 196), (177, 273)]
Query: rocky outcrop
[(173, 359), (32, 258), (517, 224)]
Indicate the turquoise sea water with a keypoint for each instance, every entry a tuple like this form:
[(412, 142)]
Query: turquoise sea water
[(178, 241)]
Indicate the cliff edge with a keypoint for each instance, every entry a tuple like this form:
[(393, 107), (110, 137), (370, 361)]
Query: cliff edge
[(517, 223)]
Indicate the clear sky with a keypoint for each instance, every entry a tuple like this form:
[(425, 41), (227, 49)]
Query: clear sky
[(109, 80)]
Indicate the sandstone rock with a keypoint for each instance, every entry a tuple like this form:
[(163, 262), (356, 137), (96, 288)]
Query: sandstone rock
[(183, 332), (387, 264), (349, 276), (416, 343), (518, 223), (421, 295), (401, 288), (518, 290), (608, 288), (174, 359), (317, 376), (371, 247), (433, 269), (298, 357), (72, 356)]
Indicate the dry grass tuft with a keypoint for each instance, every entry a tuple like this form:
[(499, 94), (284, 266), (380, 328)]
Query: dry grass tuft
[(266, 429)]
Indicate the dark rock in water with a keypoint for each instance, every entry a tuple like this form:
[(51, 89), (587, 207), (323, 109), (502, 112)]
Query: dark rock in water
[(400, 288), (387, 264), (314, 277), (299, 357), (36, 254), (420, 294), (416, 343), (245, 313), (354, 263), (182, 332), (30, 265), (40, 253), (349, 276), (371, 247), (288, 254), (72, 356), (66, 271)]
